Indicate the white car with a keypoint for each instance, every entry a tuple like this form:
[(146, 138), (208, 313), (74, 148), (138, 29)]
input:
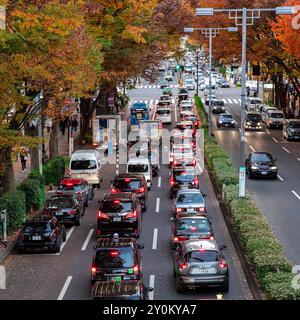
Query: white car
[(141, 165), (202, 86), (189, 84), (180, 150), (169, 76), (164, 114)]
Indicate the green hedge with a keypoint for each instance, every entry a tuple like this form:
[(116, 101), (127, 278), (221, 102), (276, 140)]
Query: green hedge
[(34, 193), (15, 205), (223, 172), (202, 112), (54, 170)]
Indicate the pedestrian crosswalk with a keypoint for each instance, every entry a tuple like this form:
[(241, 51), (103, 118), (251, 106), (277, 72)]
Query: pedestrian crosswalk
[(228, 101), (149, 86), (151, 102)]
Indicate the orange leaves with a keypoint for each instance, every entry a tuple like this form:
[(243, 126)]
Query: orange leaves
[(134, 33)]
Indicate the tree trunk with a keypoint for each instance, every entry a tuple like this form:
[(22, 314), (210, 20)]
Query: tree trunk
[(8, 176), (53, 143), (86, 110), (34, 152)]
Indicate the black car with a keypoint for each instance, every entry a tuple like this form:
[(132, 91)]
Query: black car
[(224, 84), (261, 164), (67, 209), (183, 94), (183, 177), (253, 121), (225, 120), (130, 182), (120, 290), (165, 84), (218, 106), (186, 227), (116, 259), (41, 233), (119, 212)]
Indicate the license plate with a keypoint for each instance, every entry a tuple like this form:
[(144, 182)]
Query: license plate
[(190, 210), (117, 219), (36, 238), (58, 213), (203, 271), (264, 172), (226, 124)]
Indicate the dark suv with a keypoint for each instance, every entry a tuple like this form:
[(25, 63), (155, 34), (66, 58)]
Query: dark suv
[(129, 182), (67, 209), (120, 290), (253, 121), (120, 212), (116, 259), (183, 177), (41, 233)]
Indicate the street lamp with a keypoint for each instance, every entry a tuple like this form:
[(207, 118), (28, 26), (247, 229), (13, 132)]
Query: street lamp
[(210, 32), (244, 17)]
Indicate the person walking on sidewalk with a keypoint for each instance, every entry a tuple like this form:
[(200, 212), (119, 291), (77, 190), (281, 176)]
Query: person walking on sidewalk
[(62, 126), (23, 157), (74, 124)]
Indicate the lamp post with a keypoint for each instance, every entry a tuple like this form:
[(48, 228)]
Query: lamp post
[(244, 17), (210, 32)]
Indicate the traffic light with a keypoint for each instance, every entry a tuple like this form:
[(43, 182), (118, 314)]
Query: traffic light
[(177, 67)]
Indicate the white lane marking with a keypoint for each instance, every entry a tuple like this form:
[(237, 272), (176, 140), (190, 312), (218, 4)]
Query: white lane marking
[(159, 182), (235, 101), (246, 139), (175, 114), (65, 288), (67, 238), (154, 243), (286, 150), (229, 100), (145, 86), (298, 159), (146, 101), (117, 165), (252, 148), (150, 87), (88, 238), (117, 172), (280, 177), (267, 131), (224, 100), (151, 285), (157, 205), (275, 139), (240, 100), (296, 194)]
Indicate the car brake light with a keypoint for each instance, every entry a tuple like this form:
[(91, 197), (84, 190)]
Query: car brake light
[(172, 182), (72, 211), (94, 270), (131, 214), (222, 264), (178, 210), (102, 215), (183, 265), (194, 162), (141, 190), (69, 184), (116, 201), (114, 253), (201, 209), (175, 239), (127, 180), (114, 190), (193, 229), (136, 269), (201, 250), (21, 236)]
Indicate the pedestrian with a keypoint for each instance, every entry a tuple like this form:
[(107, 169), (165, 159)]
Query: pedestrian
[(74, 124), (23, 157), (62, 126)]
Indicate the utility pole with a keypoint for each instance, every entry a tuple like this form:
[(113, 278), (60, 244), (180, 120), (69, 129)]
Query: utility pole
[(210, 67), (197, 82)]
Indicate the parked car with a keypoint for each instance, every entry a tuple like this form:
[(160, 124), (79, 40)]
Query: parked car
[(291, 129)]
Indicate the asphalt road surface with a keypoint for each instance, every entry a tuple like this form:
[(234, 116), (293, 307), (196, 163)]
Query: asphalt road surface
[(67, 275)]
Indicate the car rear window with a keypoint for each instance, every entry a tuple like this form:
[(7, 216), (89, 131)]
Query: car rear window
[(182, 150), (116, 206), (37, 226), (190, 198), (70, 187), (202, 256), (83, 164), (132, 184), (137, 168), (193, 225), (165, 111), (114, 258), (63, 203), (183, 176), (277, 115)]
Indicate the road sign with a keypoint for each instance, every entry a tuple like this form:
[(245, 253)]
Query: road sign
[(242, 180)]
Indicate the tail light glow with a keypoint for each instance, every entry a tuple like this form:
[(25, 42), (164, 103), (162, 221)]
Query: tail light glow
[(222, 264), (116, 201), (175, 239), (136, 269), (141, 190), (114, 253), (94, 270), (131, 214), (183, 265), (102, 215), (114, 190), (178, 210), (72, 212)]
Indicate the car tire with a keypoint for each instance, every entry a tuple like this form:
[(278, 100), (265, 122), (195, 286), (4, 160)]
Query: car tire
[(78, 221), (225, 285), (64, 236), (86, 204), (274, 176), (179, 287), (83, 211), (20, 251)]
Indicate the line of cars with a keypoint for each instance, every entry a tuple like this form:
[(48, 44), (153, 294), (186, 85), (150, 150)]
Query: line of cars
[(198, 260)]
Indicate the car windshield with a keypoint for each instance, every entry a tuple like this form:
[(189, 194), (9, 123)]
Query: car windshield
[(163, 98), (114, 258), (226, 116), (128, 184), (194, 225), (294, 125), (70, 187), (277, 115), (261, 157), (184, 126), (116, 206), (255, 101), (83, 164), (184, 176), (188, 81), (202, 256), (62, 202), (253, 117), (190, 118), (137, 168), (183, 91), (163, 111), (37, 226), (190, 198)]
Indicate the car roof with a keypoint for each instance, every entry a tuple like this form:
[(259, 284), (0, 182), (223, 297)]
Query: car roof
[(85, 151), (72, 181), (184, 122), (119, 196), (110, 243), (185, 169), (129, 175), (252, 112), (293, 120), (189, 191), (193, 245), (138, 160), (112, 288), (225, 114)]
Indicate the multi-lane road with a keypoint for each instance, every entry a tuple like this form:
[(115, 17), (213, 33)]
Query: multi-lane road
[(279, 200), (67, 275)]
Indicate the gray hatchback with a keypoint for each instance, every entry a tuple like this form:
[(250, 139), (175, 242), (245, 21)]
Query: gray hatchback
[(199, 263)]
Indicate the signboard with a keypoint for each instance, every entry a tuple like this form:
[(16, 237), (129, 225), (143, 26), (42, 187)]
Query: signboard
[(242, 182)]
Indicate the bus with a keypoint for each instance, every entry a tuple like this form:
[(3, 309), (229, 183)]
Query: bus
[(139, 111)]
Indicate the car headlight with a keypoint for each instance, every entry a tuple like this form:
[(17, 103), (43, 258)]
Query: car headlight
[(254, 167), (220, 121), (259, 124), (248, 123), (232, 121), (273, 168)]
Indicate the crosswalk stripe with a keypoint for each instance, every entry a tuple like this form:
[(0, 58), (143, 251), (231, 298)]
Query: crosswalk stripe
[(240, 100), (224, 100), (229, 100), (235, 101)]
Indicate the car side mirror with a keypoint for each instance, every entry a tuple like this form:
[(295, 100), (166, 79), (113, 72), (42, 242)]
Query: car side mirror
[(223, 247), (141, 246), (204, 195)]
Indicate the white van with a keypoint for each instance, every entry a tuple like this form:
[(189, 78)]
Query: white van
[(141, 165), (265, 111), (86, 164), (274, 119)]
